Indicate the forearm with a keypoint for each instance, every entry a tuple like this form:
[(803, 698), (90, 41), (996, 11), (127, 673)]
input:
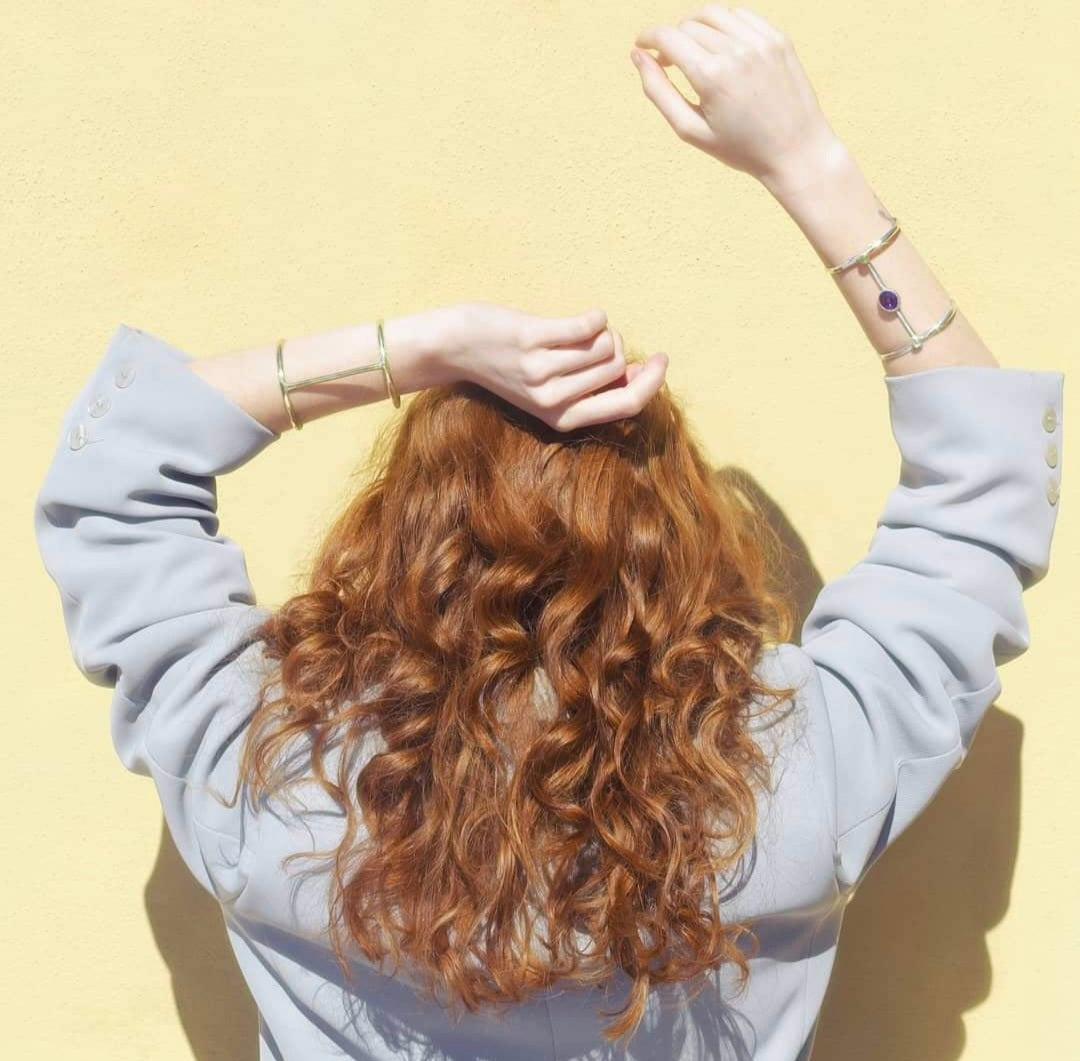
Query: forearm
[(833, 204), (414, 344)]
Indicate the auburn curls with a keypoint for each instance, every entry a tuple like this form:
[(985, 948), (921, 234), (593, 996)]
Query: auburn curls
[(551, 638)]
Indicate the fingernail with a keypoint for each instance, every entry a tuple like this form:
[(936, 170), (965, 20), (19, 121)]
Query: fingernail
[(635, 56)]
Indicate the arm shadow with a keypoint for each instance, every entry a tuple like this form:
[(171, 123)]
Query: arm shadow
[(912, 956), (215, 1008)]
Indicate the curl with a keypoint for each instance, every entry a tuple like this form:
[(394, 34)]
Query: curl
[(553, 637)]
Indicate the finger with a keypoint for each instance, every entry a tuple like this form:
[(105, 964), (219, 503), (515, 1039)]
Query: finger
[(710, 39), (634, 368), (720, 18), (567, 389), (684, 117), (761, 23), (558, 331), (753, 33), (675, 48), (619, 402), (599, 372), (550, 361)]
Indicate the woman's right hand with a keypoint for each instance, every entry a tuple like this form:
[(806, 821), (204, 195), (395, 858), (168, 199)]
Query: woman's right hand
[(758, 111), (569, 372)]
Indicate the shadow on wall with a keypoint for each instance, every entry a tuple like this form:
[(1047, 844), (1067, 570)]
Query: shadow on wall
[(912, 956), (215, 1008)]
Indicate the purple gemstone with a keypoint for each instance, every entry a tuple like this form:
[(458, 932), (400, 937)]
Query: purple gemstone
[(888, 300)]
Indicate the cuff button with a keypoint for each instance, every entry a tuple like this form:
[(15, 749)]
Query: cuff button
[(1053, 491), (124, 375), (77, 437), (99, 406), (1049, 420)]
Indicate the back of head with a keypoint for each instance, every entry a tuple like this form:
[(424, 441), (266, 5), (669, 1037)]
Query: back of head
[(553, 637)]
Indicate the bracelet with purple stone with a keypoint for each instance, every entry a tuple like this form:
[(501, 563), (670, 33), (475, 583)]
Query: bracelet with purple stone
[(888, 299)]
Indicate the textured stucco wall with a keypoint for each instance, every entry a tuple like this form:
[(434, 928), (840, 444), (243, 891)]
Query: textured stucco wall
[(221, 174)]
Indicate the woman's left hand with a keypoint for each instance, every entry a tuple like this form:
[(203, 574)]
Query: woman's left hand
[(566, 371)]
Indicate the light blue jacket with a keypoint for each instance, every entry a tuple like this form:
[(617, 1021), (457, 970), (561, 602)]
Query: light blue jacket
[(897, 666)]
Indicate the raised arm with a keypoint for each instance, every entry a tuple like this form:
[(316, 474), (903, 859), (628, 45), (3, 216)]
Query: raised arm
[(156, 601), (566, 371), (759, 114), (901, 651)]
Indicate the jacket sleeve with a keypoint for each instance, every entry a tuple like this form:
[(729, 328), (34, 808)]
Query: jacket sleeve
[(902, 650), (156, 603)]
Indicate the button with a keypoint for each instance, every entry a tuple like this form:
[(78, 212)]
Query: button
[(126, 373), (99, 406), (77, 437), (1051, 454), (1053, 491), (1050, 418)]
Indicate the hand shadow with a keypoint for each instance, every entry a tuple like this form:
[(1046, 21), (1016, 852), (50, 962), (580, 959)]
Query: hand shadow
[(912, 955)]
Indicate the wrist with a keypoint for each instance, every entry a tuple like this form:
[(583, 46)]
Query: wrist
[(833, 205), (419, 349), (815, 166)]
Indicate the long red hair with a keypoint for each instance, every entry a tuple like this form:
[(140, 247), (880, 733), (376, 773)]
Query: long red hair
[(554, 637)]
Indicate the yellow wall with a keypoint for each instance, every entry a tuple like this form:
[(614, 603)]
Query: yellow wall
[(224, 173)]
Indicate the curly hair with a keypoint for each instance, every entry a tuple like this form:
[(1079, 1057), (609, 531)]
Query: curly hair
[(553, 638)]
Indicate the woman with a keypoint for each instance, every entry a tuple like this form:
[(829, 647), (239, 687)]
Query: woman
[(536, 724)]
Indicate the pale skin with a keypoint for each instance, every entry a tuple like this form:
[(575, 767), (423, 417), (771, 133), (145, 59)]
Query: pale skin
[(758, 114)]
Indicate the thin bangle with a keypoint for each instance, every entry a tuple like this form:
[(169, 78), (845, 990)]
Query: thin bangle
[(285, 388), (382, 364)]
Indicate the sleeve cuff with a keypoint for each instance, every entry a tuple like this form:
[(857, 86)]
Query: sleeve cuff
[(143, 393), (981, 447)]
